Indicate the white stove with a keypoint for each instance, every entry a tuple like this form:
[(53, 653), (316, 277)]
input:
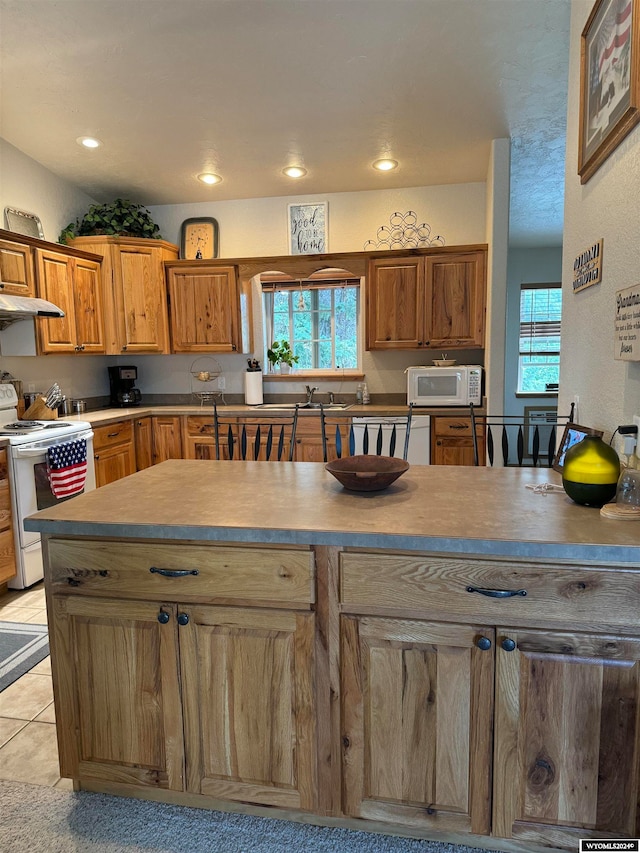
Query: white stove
[(27, 445), (19, 432)]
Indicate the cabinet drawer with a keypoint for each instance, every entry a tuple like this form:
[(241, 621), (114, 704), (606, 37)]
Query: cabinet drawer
[(200, 425), (110, 434), (223, 574), (454, 427), (438, 586)]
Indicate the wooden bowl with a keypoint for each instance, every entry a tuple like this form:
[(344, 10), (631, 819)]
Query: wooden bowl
[(367, 473), (444, 362)]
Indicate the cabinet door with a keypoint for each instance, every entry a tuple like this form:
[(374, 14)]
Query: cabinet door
[(203, 311), (113, 463), (309, 439), (455, 300), (417, 702), (395, 303), (87, 290), (566, 735), (16, 269), (143, 443), (55, 283), (7, 549), (167, 439), (452, 442), (247, 677), (140, 296), (116, 687), (198, 440)]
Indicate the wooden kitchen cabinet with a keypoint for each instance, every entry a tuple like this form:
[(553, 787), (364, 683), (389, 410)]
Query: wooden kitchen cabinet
[(114, 451), (171, 690), (7, 548), (136, 315), (452, 441), (198, 438), (74, 285), (143, 439), (17, 276), (205, 308), (432, 301), (416, 726), (167, 438), (309, 439)]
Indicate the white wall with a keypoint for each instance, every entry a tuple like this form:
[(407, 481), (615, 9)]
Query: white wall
[(606, 206), (252, 227)]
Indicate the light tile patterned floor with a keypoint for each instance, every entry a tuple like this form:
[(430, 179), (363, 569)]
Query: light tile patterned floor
[(28, 748)]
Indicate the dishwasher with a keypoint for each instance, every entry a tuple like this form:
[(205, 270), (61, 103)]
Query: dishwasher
[(419, 436)]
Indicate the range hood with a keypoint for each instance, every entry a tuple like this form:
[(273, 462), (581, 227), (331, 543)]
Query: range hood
[(13, 308)]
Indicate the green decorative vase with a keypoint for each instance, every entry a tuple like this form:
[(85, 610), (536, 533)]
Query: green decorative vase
[(591, 471)]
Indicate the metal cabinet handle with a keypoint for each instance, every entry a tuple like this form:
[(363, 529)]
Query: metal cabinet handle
[(508, 644), (173, 573), (483, 643), (497, 593), (163, 617), (183, 618)]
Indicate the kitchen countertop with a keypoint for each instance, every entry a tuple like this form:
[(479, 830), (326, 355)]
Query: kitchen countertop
[(465, 510)]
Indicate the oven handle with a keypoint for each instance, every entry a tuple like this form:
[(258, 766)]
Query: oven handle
[(26, 452)]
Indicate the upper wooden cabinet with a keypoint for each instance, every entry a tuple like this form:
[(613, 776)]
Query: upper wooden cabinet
[(432, 300), (136, 318), (209, 311), (74, 285), (16, 269)]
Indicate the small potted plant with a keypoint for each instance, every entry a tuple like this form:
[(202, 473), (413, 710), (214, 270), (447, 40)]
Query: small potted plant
[(118, 218), (281, 355)]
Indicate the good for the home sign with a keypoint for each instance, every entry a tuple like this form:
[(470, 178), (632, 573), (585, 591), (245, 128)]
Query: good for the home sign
[(587, 267), (627, 324), (308, 228)]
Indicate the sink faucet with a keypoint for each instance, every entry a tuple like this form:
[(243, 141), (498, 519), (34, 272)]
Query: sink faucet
[(331, 398), (310, 393)]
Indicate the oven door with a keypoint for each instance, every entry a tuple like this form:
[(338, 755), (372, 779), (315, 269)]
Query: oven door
[(31, 490)]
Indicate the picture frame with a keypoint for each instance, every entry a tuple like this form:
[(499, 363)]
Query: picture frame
[(308, 228), (573, 433), (609, 81), (199, 238)]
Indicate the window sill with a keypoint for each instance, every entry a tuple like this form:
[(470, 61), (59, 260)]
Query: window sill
[(305, 375)]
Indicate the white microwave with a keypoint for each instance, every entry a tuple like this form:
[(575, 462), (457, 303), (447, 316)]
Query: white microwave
[(444, 386)]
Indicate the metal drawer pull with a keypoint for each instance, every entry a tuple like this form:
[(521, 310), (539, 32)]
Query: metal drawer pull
[(497, 593), (173, 573)]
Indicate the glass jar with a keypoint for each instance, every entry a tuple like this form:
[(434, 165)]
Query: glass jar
[(591, 471), (628, 491)]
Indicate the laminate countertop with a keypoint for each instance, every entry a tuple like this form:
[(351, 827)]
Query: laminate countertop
[(453, 509)]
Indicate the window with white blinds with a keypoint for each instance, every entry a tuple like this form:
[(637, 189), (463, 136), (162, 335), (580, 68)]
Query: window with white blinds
[(539, 342)]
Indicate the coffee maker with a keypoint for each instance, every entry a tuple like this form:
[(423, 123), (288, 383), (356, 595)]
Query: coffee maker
[(122, 386)]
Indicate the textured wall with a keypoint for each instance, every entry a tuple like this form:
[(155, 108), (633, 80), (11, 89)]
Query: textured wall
[(606, 206)]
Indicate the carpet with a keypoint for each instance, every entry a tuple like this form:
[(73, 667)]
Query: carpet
[(22, 646), (36, 818)]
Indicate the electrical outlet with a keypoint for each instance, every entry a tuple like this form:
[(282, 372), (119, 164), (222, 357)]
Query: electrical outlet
[(31, 387), (222, 383), (636, 420)]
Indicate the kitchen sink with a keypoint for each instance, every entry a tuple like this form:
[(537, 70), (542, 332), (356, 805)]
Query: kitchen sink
[(327, 406)]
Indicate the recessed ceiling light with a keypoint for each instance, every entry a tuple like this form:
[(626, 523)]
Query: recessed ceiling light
[(88, 142), (295, 172), (385, 164), (209, 178)]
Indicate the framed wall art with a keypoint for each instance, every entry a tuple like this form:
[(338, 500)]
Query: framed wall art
[(609, 81), (308, 228)]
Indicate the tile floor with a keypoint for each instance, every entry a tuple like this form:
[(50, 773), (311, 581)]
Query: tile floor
[(28, 748)]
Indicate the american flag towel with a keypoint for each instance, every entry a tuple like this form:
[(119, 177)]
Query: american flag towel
[(67, 467)]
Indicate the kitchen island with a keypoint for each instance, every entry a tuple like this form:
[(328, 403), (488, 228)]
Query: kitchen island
[(455, 657)]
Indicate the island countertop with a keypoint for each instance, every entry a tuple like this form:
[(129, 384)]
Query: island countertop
[(456, 509)]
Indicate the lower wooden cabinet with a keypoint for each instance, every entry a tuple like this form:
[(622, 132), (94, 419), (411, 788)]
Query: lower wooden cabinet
[(142, 429), (452, 441), (7, 548), (198, 439), (114, 452), (417, 711), (167, 438), (309, 439)]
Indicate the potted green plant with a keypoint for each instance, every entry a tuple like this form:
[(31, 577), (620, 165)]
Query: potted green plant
[(281, 355), (119, 218)]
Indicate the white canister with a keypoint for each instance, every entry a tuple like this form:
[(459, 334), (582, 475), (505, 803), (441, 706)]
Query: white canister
[(253, 387)]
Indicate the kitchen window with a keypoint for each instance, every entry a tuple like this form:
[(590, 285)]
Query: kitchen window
[(539, 348), (319, 317)]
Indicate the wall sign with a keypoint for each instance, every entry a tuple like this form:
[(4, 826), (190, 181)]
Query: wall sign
[(308, 228), (627, 324), (587, 267)]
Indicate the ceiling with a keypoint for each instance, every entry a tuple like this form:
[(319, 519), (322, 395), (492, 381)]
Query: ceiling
[(244, 88)]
